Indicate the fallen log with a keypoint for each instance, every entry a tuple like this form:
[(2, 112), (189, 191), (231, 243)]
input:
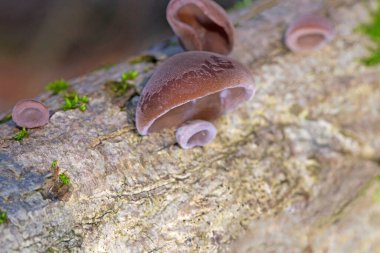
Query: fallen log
[(293, 170)]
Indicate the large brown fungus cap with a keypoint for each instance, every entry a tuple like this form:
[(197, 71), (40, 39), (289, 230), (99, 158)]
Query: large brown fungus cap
[(190, 86), (30, 114), (201, 25)]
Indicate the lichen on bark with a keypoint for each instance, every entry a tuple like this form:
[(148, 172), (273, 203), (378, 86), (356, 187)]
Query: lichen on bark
[(295, 163)]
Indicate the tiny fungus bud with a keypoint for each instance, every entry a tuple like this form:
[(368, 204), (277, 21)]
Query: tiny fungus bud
[(201, 25), (30, 114), (308, 32), (195, 133), (189, 86)]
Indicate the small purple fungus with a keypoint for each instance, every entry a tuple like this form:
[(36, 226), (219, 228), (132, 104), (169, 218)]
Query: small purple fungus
[(195, 133), (201, 25), (192, 86), (30, 114), (308, 33)]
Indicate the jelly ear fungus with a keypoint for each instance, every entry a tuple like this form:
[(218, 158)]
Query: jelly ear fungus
[(201, 25), (308, 32), (192, 86), (195, 133), (30, 114)]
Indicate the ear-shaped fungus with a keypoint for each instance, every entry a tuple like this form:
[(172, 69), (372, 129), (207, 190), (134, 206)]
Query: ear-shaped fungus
[(195, 133), (308, 32), (193, 85), (201, 25), (30, 114)]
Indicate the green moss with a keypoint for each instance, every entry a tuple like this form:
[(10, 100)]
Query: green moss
[(377, 191), (143, 58), (173, 43), (64, 179), (54, 164), (241, 4), (106, 66), (74, 101), (372, 28), (57, 86), (52, 250), (372, 31), (377, 194), (6, 119), (3, 217), (121, 87), (373, 59), (129, 75), (21, 135)]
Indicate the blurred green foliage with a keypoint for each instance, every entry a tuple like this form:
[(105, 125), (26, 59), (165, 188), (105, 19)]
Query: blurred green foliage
[(57, 86), (3, 217), (241, 4), (372, 31)]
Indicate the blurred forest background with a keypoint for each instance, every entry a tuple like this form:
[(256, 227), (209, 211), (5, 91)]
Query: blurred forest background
[(45, 40)]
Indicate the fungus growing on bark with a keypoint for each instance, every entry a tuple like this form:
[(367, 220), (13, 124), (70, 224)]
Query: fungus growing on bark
[(30, 114), (308, 33), (190, 86), (201, 25), (195, 133)]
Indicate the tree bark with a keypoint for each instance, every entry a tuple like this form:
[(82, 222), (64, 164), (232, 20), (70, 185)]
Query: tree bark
[(293, 170)]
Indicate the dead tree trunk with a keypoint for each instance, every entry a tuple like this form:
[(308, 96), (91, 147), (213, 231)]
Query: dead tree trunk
[(291, 171)]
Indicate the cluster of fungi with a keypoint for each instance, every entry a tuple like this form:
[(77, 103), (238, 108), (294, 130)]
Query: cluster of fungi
[(190, 90)]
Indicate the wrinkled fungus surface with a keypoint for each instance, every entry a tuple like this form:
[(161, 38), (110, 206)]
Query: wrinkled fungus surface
[(201, 25), (195, 133), (308, 33), (30, 114), (190, 86)]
